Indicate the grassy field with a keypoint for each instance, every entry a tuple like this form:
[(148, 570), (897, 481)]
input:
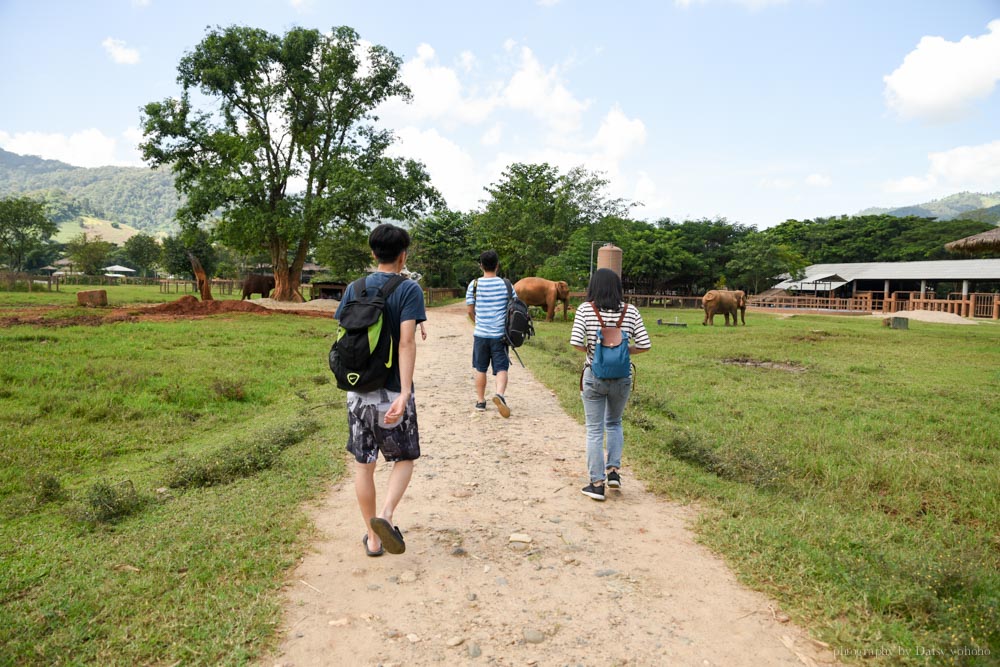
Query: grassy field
[(153, 474), (118, 295), (94, 227), (152, 477), (850, 470)]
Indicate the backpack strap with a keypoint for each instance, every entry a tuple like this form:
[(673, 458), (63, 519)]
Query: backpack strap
[(510, 290), (387, 288), (475, 286), (600, 320), (621, 318)]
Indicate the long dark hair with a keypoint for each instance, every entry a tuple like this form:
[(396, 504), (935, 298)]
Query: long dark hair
[(605, 290)]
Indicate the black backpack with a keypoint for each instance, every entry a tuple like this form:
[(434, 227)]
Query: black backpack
[(518, 326), (365, 353)]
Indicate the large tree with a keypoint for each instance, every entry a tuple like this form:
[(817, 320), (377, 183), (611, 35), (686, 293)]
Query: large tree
[(89, 253), (284, 149), (24, 227), (534, 210), (143, 251)]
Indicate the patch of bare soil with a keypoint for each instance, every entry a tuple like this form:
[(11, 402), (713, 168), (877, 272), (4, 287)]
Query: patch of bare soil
[(776, 365), (507, 563), (928, 316)]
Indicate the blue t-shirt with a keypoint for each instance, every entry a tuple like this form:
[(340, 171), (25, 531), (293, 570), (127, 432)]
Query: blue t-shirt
[(491, 306), (405, 303)]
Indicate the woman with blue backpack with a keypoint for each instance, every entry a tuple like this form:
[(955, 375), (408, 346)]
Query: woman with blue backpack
[(609, 331)]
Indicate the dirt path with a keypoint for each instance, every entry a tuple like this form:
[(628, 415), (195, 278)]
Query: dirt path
[(621, 582)]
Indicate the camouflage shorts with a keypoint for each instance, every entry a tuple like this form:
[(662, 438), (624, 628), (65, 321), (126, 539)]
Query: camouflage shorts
[(367, 436)]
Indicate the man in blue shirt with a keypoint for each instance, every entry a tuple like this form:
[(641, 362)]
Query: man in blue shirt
[(486, 298), (386, 419)]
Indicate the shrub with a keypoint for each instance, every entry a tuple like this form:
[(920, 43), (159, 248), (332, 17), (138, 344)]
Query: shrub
[(241, 459), (104, 502)]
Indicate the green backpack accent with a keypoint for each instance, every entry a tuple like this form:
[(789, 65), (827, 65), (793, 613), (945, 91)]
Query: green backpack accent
[(364, 354)]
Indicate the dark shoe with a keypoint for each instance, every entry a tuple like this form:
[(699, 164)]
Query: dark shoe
[(391, 536), (364, 541), (501, 405), (595, 492), (614, 481), (481, 406)]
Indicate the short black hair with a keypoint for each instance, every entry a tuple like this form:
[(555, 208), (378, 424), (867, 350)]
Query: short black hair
[(388, 242), (489, 260), (605, 290)]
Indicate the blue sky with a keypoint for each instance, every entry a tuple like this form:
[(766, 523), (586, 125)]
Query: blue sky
[(756, 110)]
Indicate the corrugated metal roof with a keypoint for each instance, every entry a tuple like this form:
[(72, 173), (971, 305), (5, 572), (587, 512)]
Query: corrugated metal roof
[(803, 286), (956, 269)]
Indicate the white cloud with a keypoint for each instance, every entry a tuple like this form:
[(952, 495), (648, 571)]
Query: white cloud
[(453, 171), (141, 3), (438, 92), (548, 3), (87, 148), (467, 60), (119, 52), (541, 92), (619, 135), (975, 168), (492, 136), (940, 80), (647, 193), (818, 181)]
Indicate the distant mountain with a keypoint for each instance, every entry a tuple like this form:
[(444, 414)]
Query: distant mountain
[(141, 198), (947, 208), (989, 214)]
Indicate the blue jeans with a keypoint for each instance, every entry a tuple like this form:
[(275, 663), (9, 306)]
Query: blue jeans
[(603, 404)]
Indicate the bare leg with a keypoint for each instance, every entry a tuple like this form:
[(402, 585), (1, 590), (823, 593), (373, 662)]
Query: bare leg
[(501, 382), (399, 479), (364, 487), (481, 386)]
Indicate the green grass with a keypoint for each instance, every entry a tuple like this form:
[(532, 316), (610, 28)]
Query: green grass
[(118, 295), (860, 487), (105, 558)]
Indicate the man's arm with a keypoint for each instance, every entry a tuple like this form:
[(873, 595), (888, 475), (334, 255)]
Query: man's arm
[(472, 311), (407, 362)]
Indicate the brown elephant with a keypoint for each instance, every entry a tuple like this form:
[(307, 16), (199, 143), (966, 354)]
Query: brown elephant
[(542, 292), (257, 284), (726, 303)]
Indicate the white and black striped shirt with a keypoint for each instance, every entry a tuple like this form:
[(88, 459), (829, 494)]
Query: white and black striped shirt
[(586, 326)]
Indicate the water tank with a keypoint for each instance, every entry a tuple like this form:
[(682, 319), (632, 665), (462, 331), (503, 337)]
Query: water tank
[(610, 257)]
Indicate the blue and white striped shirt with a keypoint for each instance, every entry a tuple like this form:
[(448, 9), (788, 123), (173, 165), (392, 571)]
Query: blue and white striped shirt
[(491, 306)]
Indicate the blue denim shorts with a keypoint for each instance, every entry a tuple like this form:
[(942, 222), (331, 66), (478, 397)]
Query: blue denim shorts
[(489, 350)]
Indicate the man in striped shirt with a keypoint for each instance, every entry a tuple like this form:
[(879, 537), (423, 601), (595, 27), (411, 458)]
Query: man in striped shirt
[(486, 298)]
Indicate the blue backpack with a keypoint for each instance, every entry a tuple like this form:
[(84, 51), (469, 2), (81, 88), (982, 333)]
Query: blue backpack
[(611, 356)]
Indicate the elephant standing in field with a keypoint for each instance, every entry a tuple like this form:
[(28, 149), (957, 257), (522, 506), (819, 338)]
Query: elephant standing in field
[(257, 284), (542, 292), (724, 302)]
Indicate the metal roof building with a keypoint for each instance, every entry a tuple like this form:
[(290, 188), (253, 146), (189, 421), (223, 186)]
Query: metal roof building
[(829, 277)]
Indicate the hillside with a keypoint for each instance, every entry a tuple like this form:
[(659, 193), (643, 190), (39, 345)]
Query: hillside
[(94, 227), (141, 198), (989, 214), (947, 208)]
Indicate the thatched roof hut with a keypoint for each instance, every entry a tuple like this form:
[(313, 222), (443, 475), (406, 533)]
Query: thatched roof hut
[(988, 241)]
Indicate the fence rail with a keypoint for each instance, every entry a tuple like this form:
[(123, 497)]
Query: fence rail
[(11, 281), (980, 305)]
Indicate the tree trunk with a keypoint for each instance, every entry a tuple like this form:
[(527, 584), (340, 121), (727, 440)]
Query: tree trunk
[(287, 278), (204, 285)]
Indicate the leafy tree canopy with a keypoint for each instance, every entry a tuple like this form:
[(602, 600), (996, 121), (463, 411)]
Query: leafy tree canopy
[(195, 240), (89, 254), (284, 149), (24, 227), (143, 251), (534, 210)]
